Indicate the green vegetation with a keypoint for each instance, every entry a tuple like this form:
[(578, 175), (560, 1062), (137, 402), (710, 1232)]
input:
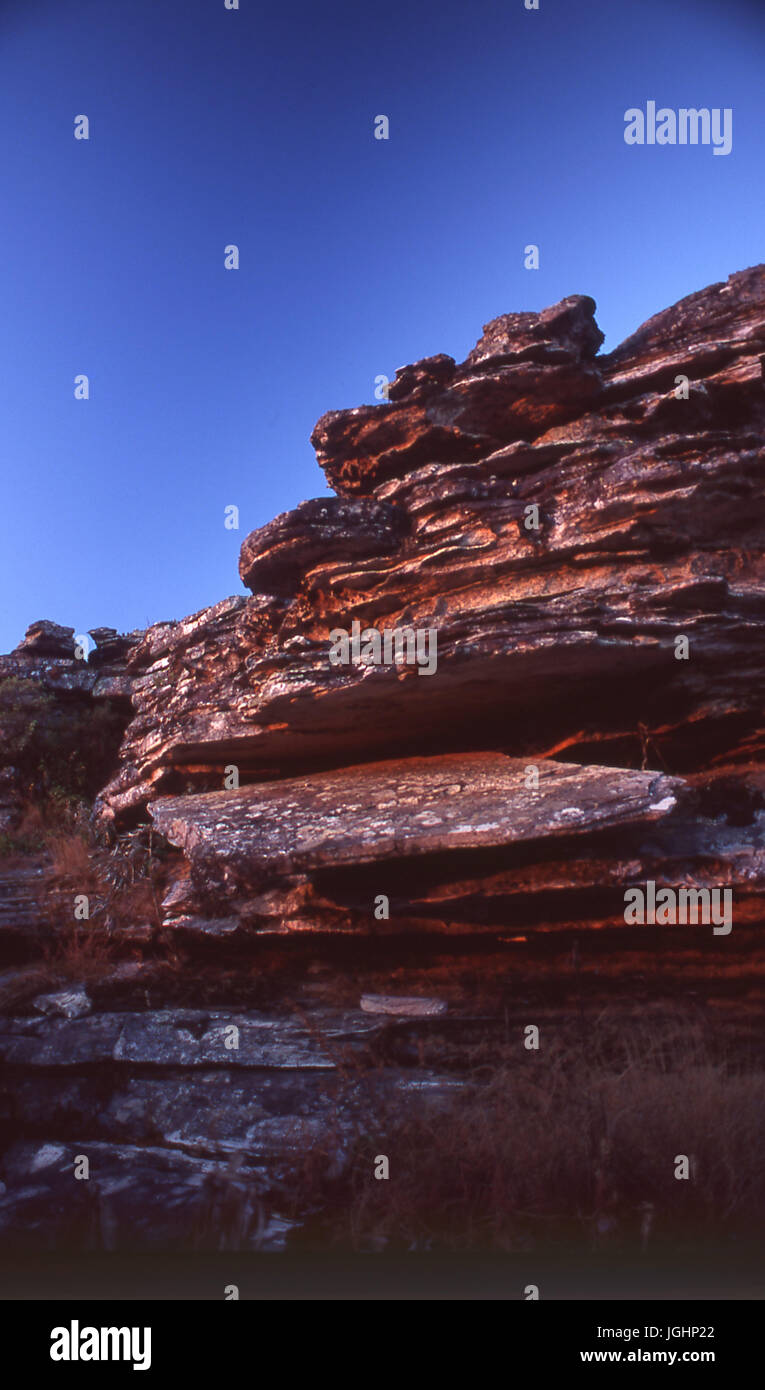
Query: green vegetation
[(61, 749)]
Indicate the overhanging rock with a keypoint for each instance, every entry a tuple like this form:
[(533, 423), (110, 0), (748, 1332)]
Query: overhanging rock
[(242, 840)]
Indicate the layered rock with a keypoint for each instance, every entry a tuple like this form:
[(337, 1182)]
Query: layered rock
[(582, 534), (50, 656), (383, 868), (445, 826), (527, 373), (184, 1133)]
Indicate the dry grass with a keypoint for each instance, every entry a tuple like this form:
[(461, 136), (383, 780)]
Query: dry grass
[(81, 956), (71, 860), (123, 887), (54, 815), (50, 818), (575, 1142)]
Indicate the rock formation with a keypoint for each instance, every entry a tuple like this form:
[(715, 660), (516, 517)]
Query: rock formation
[(583, 534), (375, 858)]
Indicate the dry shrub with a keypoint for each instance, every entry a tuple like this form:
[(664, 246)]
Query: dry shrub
[(33, 821), (576, 1141), (81, 956), (123, 882), (71, 860), (122, 886)]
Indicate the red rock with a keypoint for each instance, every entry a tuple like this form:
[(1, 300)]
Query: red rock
[(559, 518)]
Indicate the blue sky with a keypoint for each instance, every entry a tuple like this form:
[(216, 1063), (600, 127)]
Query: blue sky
[(255, 127)]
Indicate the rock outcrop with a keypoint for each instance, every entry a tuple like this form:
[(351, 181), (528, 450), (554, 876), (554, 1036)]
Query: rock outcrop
[(581, 536), (512, 670)]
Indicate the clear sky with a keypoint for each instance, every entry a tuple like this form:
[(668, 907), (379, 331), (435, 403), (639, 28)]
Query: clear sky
[(255, 127)]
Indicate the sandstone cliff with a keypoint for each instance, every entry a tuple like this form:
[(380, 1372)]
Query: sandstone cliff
[(584, 535), (579, 539)]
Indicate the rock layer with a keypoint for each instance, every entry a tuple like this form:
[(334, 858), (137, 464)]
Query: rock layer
[(377, 817)]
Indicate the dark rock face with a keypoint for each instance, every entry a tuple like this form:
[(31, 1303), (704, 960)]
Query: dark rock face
[(191, 1139), (112, 648)]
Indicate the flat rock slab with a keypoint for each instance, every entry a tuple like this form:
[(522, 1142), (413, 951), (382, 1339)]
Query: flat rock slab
[(180, 1038), (402, 807), (410, 1007)]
